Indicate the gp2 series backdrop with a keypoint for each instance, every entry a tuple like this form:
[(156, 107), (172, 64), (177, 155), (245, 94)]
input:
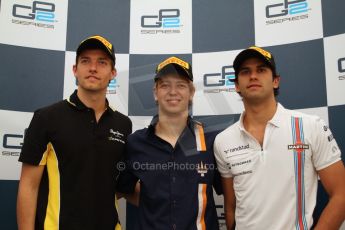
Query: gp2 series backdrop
[(38, 40)]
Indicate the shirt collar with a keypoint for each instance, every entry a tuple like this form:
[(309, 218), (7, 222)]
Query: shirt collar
[(155, 119), (78, 104), (274, 121), (188, 139)]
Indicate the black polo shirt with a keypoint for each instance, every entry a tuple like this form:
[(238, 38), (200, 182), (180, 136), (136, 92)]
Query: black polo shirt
[(176, 182), (77, 189)]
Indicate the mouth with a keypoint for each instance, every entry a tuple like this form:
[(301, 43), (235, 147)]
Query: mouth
[(253, 86), (173, 101), (91, 77)]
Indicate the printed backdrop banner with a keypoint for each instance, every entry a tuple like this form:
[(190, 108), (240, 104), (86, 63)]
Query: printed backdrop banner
[(38, 40)]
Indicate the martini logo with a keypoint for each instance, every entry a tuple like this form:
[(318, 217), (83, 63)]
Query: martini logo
[(287, 11), (298, 147), (220, 82), (39, 14), (166, 22)]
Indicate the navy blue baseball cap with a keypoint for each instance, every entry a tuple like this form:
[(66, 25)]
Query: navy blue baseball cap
[(254, 52), (174, 65), (97, 42)]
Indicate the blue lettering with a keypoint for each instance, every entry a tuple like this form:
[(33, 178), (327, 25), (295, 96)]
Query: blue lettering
[(298, 8), (45, 16)]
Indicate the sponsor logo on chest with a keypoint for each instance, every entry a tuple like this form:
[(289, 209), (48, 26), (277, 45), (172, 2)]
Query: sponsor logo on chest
[(298, 147), (202, 169), (116, 136), (236, 149)]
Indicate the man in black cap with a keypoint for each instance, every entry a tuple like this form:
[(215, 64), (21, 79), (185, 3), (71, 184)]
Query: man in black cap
[(271, 158), (173, 158), (71, 149)]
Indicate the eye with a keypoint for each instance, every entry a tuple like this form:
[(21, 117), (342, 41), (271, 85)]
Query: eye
[(243, 72), (261, 70), (84, 61), (182, 86), (102, 62), (163, 85)]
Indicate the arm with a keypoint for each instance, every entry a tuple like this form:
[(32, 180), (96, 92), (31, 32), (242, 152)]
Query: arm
[(332, 178), (27, 196), (131, 198), (229, 202)]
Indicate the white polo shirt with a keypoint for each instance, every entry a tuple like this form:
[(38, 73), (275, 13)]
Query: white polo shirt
[(276, 184)]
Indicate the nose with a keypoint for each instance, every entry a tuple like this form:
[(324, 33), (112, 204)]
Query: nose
[(93, 66), (253, 75), (173, 90)]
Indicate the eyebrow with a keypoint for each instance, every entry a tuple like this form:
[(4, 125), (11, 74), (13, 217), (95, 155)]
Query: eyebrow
[(258, 66), (87, 57), (263, 65), (179, 81)]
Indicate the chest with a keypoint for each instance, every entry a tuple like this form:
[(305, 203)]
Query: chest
[(81, 138), (279, 156), (160, 166)]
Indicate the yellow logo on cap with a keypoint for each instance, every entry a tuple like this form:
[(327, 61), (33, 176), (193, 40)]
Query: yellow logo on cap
[(103, 40), (262, 51), (173, 60)]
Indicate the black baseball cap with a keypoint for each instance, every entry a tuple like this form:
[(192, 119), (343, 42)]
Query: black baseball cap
[(252, 52), (97, 42), (174, 65)]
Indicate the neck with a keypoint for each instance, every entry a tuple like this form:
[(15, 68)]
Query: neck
[(259, 113), (171, 125), (93, 100)]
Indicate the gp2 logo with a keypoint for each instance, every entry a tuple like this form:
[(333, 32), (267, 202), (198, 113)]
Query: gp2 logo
[(285, 8), (220, 79), (39, 11), (13, 141), (166, 18), (341, 65)]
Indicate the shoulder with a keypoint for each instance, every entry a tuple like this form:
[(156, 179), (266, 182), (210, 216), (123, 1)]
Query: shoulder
[(210, 131), (307, 119), (44, 118), (121, 121), (138, 135), (122, 117), (228, 134), (52, 110), (53, 107)]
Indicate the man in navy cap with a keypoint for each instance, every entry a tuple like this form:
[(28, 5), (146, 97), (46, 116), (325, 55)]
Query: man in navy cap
[(173, 158), (271, 158), (71, 149)]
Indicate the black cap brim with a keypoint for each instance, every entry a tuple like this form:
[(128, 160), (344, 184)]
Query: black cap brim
[(246, 54), (93, 43), (250, 53), (173, 68)]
